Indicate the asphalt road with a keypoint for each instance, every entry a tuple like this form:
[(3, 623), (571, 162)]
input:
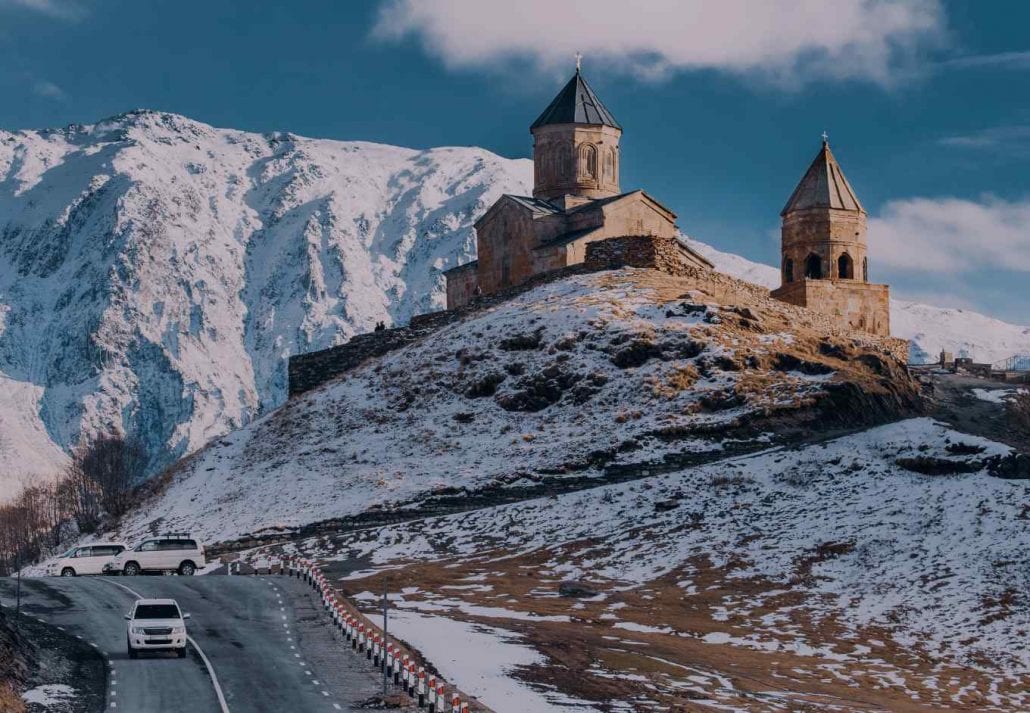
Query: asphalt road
[(269, 644)]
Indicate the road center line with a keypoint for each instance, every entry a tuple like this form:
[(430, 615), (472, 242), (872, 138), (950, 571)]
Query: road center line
[(203, 656)]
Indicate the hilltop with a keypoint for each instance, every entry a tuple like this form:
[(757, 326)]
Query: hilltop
[(590, 376)]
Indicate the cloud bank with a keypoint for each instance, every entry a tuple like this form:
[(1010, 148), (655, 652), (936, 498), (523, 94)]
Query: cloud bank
[(952, 235), (58, 9), (787, 41)]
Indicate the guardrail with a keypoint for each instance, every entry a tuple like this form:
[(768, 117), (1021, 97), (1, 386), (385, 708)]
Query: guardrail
[(384, 653)]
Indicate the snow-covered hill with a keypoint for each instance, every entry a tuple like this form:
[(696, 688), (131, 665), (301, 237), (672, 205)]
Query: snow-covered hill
[(823, 578), (156, 272), (570, 380)]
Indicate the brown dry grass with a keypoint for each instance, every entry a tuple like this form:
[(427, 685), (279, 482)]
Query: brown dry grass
[(10, 702), (589, 658)]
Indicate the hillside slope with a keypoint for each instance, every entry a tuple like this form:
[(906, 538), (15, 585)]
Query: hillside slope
[(572, 379), (155, 272), (822, 578)]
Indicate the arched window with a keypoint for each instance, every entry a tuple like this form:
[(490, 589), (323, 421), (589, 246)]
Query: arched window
[(865, 269), (845, 267), (788, 270), (814, 267), (587, 161), (564, 162), (609, 166)]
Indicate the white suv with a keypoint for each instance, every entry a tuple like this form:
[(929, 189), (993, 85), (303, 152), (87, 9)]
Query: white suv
[(156, 625), (168, 553), (88, 559)]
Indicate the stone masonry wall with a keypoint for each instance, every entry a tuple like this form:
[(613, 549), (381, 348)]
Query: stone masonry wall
[(657, 253)]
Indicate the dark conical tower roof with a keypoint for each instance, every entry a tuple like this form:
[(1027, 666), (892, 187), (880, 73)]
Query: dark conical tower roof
[(823, 186), (576, 103)]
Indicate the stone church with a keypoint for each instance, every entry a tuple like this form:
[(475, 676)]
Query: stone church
[(823, 244), (576, 200)]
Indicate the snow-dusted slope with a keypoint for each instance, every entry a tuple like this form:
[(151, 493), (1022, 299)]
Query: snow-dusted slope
[(929, 329), (155, 272), (610, 369), (825, 564)]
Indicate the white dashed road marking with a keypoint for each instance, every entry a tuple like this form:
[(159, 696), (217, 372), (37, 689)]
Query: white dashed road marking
[(207, 663)]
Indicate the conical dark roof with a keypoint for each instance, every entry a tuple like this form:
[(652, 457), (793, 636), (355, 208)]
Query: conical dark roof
[(823, 186), (576, 103)]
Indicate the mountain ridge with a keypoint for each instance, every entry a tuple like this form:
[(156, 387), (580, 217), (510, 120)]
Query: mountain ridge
[(155, 271)]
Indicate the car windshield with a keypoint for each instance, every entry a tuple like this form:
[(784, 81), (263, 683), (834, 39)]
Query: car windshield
[(157, 611)]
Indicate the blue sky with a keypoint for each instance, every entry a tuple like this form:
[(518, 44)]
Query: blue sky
[(926, 102)]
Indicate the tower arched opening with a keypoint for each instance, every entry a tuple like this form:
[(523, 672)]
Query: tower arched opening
[(845, 267), (814, 267)]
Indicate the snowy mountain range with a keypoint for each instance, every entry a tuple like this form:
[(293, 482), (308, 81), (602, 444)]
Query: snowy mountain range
[(155, 273)]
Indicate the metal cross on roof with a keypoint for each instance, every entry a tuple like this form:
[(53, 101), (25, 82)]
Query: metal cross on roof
[(826, 138), (579, 60)]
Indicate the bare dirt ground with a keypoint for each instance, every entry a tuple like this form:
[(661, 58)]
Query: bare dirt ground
[(34, 654), (954, 402), (675, 653)]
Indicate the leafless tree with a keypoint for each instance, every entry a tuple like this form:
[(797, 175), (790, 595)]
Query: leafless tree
[(114, 464)]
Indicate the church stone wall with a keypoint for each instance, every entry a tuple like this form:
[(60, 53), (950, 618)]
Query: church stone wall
[(577, 159), (505, 240), (461, 284), (859, 306), (665, 254)]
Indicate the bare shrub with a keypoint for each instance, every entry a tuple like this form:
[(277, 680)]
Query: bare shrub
[(114, 464), (1019, 410)]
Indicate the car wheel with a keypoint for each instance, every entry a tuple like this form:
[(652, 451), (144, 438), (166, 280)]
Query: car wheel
[(131, 569), (67, 572), (181, 652), (187, 569)]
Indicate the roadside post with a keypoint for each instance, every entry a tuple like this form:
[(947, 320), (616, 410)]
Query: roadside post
[(386, 606), (17, 596)]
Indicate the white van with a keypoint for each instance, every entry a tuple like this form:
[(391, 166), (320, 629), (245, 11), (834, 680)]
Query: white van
[(87, 559), (175, 552)]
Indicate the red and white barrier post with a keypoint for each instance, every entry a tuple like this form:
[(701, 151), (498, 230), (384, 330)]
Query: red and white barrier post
[(431, 697), (455, 703), (421, 690)]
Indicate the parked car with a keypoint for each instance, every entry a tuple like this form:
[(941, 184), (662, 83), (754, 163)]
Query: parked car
[(174, 552), (156, 625), (87, 559)]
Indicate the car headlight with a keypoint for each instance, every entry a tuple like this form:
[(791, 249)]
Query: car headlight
[(137, 630), (179, 630)]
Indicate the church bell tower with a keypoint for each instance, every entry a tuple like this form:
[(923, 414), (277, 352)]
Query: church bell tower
[(824, 262), (575, 146)]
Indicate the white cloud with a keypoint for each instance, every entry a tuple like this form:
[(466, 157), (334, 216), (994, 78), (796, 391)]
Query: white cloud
[(61, 9), (789, 41), (1006, 138), (1001, 60), (48, 90), (952, 235)]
